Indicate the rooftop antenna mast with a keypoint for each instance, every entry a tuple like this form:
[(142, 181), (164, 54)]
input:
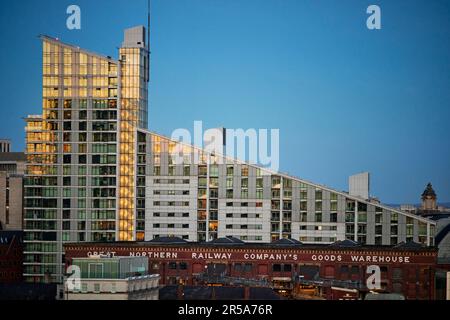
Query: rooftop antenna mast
[(148, 40)]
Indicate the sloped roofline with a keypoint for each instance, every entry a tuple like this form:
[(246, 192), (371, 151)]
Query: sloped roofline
[(65, 44), (284, 175)]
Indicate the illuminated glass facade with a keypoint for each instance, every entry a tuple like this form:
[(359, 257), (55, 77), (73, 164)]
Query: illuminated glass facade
[(80, 182), (133, 115)]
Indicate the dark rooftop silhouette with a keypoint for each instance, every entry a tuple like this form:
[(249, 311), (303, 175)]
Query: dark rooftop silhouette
[(168, 240), (345, 243), (287, 241)]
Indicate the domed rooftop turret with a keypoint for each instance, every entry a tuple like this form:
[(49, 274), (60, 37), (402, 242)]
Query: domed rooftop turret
[(429, 192)]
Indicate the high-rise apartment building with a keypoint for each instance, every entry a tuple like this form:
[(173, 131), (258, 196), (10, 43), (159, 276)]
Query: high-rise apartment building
[(80, 180), (95, 173), (218, 196)]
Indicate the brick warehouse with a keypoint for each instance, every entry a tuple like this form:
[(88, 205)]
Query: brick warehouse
[(407, 268)]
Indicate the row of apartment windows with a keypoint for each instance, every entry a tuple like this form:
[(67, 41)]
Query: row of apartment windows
[(171, 181), (66, 214), (171, 203), (286, 227), (318, 228), (244, 226), (171, 214), (243, 215), (244, 204), (171, 192), (41, 247), (97, 81), (171, 171), (183, 236), (318, 216), (317, 239), (95, 159), (96, 92), (81, 103), (171, 225), (81, 203)]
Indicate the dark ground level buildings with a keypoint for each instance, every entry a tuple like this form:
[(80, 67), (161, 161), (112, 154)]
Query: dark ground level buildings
[(11, 256)]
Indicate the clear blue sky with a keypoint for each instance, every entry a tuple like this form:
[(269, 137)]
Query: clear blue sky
[(346, 99)]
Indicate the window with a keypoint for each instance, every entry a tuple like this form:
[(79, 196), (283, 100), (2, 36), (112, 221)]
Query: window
[(259, 183), (409, 230), (394, 230), (318, 194), (95, 271), (333, 206), (318, 217), (394, 217), (66, 225), (276, 182), (183, 266), (333, 217), (378, 218), (304, 196), (303, 217), (259, 193), (354, 270), (379, 230), (318, 206), (362, 217), (344, 269), (214, 170), (276, 268)]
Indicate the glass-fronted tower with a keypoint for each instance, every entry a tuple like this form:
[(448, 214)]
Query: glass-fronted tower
[(80, 182), (133, 114)]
